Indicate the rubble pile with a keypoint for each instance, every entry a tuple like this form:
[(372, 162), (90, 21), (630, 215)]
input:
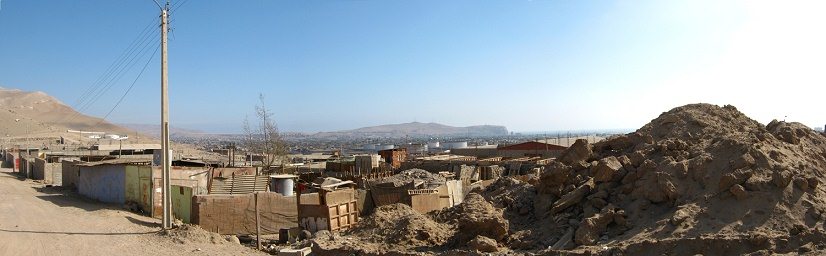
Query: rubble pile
[(400, 225), (698, 179), (695, 171), (391, 229), (412, 176), (474, 216)]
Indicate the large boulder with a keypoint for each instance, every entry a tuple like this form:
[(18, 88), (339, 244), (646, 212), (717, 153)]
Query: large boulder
[(605, 169), (483, 244), (573, 197), (579, 151), (593, 227)]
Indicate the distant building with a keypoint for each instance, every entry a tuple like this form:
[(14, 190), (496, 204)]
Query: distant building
[(525, 149), (416, 148), (394, 157), (530, 149), (366, 163)]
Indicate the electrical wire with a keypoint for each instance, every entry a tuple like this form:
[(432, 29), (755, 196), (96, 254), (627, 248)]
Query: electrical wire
[(117, 62), (151, 57), (175, 7), (111, 70), (130, 63)]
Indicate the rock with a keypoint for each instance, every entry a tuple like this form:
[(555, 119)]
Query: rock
[(592, 228), (680, 215), (637, 158), (600, 194), (801, 183), (579, 151), (625, 161), (785, 132), (744, 161), (697, 166), (620, 219), (580, 165), (483, 244), (629, 178), (573, 197), (781, 178), (605, 169), (668, 189), (813, 182), (555, 174), (680, 169), (757, 183), (726, 181), (234, 239), (598, 202), (566, 242), (646, 167), (738, 191), (589, 210)]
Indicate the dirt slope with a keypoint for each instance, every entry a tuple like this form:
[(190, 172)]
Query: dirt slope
[(36, 114)]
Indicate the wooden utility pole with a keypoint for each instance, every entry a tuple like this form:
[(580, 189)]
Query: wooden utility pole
[(165, 157), (257, 223)]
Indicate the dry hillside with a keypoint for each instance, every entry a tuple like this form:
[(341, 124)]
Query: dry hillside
[(38, 115)]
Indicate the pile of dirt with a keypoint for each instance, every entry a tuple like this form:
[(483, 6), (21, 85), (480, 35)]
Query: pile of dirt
[(515, 196), (400, 225), (188, 233), (397, 229), (428, 179), (394, 228), (695, 171), (474, 216)]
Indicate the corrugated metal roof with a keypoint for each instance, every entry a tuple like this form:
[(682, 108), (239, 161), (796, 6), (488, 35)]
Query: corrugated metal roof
[(115, 161), (532, 145), (239, 184)]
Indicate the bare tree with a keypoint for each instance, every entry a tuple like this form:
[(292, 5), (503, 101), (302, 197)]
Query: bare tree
[(265, 138)]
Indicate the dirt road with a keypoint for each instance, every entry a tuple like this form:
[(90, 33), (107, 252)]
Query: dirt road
[(35, 220)]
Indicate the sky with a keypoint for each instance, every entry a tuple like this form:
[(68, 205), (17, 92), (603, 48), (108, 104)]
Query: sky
[(333, 65)]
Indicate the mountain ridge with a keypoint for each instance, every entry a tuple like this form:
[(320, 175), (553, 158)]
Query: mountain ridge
[(38, 114), (417, 129)]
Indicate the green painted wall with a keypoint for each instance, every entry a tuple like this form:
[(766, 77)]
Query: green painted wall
[(181, 203), (138, 186), (133, 185)]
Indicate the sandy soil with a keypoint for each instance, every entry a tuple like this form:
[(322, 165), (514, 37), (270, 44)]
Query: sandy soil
[(35, 220)]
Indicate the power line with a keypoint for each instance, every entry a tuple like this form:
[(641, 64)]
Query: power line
[(122, 66), (175, 7), (111, 69), (130, 86), (112, 80), (117, 62)]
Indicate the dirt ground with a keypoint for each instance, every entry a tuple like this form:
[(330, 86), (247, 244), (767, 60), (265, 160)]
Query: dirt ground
[(35, 220)]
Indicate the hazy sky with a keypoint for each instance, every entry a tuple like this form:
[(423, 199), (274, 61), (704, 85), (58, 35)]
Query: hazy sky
[(329, 65)]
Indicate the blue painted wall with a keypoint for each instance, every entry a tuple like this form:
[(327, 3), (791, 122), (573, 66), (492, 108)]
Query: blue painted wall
[(105, 183)]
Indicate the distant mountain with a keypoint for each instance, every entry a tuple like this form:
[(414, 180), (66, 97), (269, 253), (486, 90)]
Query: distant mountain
[(36, 114), (154, 130), (416, 129)]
